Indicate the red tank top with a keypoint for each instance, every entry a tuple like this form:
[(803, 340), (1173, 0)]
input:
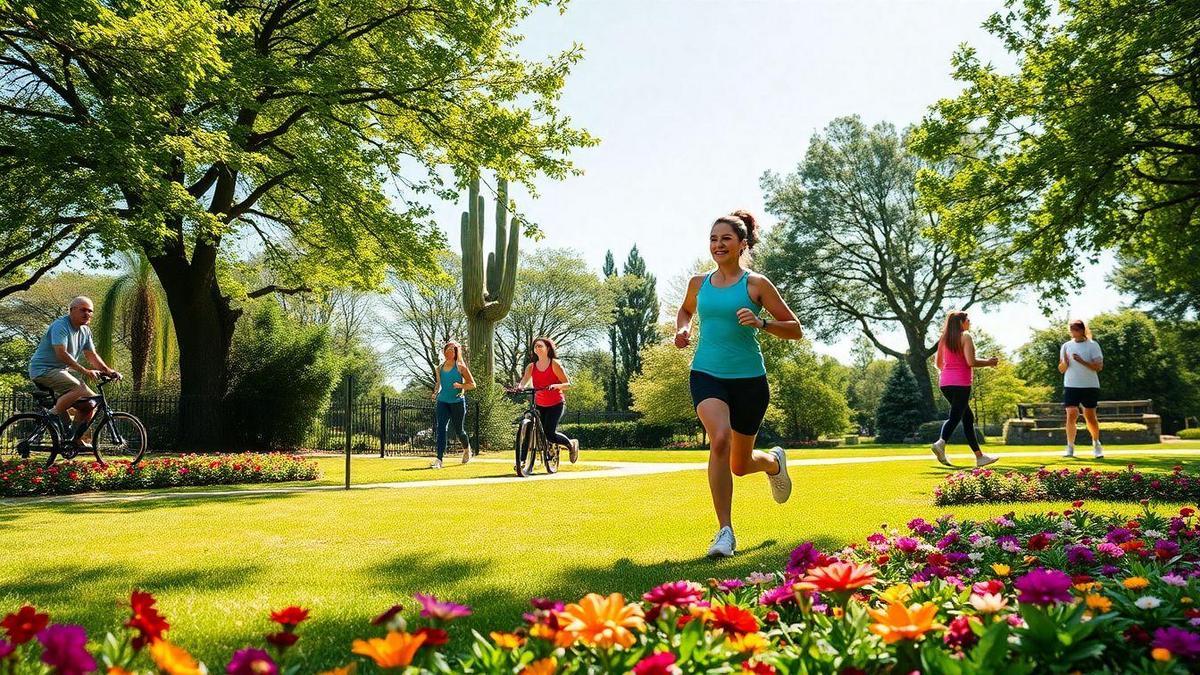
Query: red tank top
[(545, 378)]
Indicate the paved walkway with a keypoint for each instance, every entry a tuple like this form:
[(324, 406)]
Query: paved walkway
[(605, 470)]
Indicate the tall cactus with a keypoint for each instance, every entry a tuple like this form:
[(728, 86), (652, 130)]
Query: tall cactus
[(487, 289)]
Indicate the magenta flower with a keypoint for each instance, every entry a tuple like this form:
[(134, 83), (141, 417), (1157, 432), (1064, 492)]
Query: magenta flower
[(251, 661), (1078, 555), (1044, 587), (1110, 550), (803, 557), (547, 605), (1165, 550), (6, 649), (431, 608), (959, 634), (907, 544), (662, 663), (1178, 641), (675, 594), (1119, 535), (919, 526), (63, 647), (730, 585), (780, 595)]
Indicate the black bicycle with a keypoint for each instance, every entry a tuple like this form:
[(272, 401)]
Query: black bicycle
[(116, 434), (531, 442)]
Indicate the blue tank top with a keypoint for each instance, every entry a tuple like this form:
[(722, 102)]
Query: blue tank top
[(448, 393), (726, 348)]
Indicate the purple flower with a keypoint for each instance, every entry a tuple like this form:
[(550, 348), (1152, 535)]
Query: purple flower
[(1109, 570), (780, 595), (1110, 549), (1044, 587), (1178, 641), (1078, 555), (63, 647), (957, 558), (919, 526), (907, 544), (432, 608), (803, 557), (1119, 535), (251, 661), (1174, 580), (1165, 550), (6, 649), (947, 541), (1008, 543)]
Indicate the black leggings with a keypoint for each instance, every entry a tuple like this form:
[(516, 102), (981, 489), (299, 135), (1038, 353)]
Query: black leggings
[(960, 410), (550, 416)]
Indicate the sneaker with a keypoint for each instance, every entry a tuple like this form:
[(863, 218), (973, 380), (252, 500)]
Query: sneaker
[(984, 460), (466, 454), (1097, 450), (939, 451), (574, 453), (437, 464), (1069, 452), (781, 483), (724, 544)]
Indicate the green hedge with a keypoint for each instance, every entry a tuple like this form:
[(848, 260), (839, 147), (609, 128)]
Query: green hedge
[(1122, 426), (620, 434), (1190, 434), (929, 432)]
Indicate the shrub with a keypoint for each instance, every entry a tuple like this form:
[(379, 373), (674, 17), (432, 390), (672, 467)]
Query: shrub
[(1122, 426), (620, 434), (987, 486), (497, 414), (1190, 434), (899, 412), (929, 432)]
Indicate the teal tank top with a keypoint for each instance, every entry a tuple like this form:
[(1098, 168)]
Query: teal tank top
[(448, 393), (726, 348)]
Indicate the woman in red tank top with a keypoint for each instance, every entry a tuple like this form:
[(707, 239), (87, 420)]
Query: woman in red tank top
[(547, 373)]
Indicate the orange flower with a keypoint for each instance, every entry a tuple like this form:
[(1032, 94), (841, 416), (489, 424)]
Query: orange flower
[(733, 619), (1098, 602), (560, 638), (1135, 583), (1161, 654), (173, 660), (507, 640), (751, 643), (117, 670), (603, 622), (547, 666), (898, 622), (840, 576), (347, 669), (394, 651)]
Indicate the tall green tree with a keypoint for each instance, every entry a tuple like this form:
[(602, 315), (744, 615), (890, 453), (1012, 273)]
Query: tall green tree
[(186, 129), (135, 304), (612, 400), (899, 413), (1092, 143), (1169, 299), (635, 322), (852, 251)]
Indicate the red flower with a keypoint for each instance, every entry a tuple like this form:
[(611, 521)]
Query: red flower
[(145, 619), (1138, 634), (992, 586), (282, 640), (882, 560), (1039, 542), (23, 625), (733, 619), (434, 637), (1187, 511), (937, 559), (758, 668), (387, 616), (289, 617)]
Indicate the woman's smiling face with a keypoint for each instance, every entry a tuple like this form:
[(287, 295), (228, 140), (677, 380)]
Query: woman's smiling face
[(723, 242)]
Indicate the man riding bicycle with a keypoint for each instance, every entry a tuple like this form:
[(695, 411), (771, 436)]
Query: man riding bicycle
[(67, 340)]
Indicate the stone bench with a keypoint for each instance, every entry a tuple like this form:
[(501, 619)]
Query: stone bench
[(1043, 423)]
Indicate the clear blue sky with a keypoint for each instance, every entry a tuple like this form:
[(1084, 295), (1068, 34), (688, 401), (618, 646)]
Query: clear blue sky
[(694, 100)]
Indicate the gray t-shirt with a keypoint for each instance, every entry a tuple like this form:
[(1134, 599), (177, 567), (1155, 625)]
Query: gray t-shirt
[(1079, 375), (61, 332)]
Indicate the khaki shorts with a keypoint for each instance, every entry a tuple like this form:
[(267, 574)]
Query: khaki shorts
[(60, 381)]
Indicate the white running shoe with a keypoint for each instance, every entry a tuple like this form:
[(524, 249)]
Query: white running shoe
[(781, 483), (437, 464), (939, 451), (466, 454), (984, 460), (1097, 450), (1069, 452), (574, 453), (724, 544)]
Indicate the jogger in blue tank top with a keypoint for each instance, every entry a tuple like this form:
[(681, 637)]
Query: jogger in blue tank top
[(449, 393), (728, 378)]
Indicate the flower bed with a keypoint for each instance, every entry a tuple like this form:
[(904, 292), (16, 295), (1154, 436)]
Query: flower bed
[(1051, 592), (986, 485), (23, 478)]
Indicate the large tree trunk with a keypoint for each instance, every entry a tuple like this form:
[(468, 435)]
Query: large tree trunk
[(204, 324), (918, 363)]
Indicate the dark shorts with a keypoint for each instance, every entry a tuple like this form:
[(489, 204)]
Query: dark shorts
[(1087, 397), (747, 398)]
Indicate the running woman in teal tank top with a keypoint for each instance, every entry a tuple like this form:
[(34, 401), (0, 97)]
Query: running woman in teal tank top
[(449, 393), (728, 379)]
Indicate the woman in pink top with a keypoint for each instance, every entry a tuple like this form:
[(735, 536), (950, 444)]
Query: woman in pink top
[(955, 361)]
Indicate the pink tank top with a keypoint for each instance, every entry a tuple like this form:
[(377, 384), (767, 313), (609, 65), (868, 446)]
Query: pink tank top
[(955, 371)]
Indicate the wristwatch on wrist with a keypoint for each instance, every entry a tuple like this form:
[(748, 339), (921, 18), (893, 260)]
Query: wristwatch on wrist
[(765, 322)]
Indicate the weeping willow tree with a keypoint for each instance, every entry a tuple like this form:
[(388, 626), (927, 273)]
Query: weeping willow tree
[(136, 303)]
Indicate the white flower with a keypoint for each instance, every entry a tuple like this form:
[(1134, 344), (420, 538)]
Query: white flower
[(1011, 546), (1153, 534), (1067, 526), (1148, 602), (975, 556), (983, 542), (758, 578)]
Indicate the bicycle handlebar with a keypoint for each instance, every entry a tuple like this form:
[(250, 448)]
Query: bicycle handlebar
[(525, 390)]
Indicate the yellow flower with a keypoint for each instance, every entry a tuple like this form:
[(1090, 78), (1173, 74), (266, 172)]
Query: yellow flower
[(1185, 600), (173, 660), (1161, 654), (1030, 559), (838, 612), (898, 622), (117, 670), (394, 651), (1088, 587), (747, 643), (547, 666), (898, 593), (1001, 569), (347, 669), (603, 622), (919, 584), (1136, 583), (1098, 602), (507, 640)]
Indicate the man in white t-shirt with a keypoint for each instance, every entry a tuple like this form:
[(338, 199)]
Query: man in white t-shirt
[(1080, 361)]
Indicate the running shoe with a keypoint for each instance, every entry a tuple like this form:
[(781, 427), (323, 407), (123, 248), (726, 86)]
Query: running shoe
[(1097, 450), (1069, 452), (466, 454), (939, 451), (574, 453), (984, 460), (437, 464), (724, 544), (781, 483)]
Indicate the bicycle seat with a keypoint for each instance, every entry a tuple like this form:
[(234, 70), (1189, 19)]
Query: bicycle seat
[(44, 395)]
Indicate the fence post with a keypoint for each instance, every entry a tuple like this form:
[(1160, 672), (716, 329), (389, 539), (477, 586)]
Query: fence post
[(478, 442), (382, 424), (349, 399)]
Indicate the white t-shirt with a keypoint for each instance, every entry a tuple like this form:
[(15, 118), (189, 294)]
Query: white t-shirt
[(1079, 375)]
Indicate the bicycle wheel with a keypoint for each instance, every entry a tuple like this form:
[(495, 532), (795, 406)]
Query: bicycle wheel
[(550, 453), (26, 433), (519, 445), (533, 446), (121, 436)]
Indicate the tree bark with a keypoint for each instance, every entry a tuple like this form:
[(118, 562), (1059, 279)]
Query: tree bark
[(918, 362)]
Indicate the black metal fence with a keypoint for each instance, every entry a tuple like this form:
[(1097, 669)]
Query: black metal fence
[(387, 426)]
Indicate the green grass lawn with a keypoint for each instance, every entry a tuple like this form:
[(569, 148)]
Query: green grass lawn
[(219, 564)]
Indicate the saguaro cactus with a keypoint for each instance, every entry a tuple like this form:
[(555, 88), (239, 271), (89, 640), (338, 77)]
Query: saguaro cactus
[(487, 287)]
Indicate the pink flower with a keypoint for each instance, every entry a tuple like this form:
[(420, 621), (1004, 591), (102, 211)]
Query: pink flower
[(675, 594), (662, 663), (251, 662), (431, 608)]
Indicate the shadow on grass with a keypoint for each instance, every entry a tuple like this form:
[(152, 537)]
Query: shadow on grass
[(84, 503)]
